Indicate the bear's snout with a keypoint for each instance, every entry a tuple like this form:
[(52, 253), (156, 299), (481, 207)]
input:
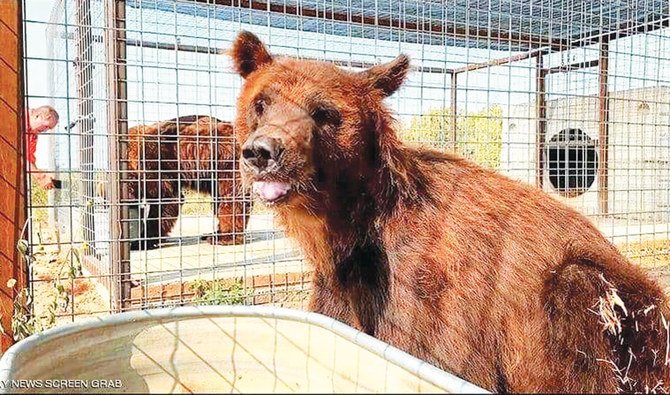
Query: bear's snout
[(260, 153)]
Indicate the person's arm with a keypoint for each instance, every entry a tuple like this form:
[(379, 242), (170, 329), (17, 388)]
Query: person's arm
[(42, 178)]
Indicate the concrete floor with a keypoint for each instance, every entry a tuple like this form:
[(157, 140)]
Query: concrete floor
[(268, 251)]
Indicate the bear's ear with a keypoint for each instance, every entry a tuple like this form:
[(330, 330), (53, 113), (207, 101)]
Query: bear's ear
[(388, 77), (248, 53)]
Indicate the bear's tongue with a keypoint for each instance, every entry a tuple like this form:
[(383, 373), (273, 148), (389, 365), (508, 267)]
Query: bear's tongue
[(270, 190)]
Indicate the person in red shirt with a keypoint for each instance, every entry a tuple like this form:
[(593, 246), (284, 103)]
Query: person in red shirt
[(39, 120)]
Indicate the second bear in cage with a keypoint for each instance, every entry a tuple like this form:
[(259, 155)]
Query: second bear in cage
[(192, 152)]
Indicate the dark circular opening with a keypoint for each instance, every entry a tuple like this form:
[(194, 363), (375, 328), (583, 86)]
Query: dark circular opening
[(571, 162)]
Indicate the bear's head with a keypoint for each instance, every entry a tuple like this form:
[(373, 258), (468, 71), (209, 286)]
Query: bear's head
[(308, 126)]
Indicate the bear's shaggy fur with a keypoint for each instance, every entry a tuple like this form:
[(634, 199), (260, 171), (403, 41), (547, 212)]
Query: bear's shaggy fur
[(458, 265), (166, 157)]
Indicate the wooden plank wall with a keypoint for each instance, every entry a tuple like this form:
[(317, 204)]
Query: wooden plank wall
[(12, 188)]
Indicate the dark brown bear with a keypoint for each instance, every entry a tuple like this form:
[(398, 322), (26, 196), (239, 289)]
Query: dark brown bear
[(458, 265), (166, 157)]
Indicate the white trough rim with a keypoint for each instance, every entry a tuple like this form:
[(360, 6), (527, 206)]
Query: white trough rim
[(418, 367)]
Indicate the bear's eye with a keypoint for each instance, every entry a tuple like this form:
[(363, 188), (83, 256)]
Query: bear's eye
[(259, 106), (326, 115)]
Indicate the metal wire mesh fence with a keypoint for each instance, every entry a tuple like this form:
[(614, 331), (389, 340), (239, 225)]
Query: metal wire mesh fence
[(573, 97)]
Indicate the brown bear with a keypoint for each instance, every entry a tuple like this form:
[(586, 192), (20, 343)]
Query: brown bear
[(191, 152), (458, 265)]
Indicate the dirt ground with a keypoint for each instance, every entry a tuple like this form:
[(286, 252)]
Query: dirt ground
[(82, 297), (78, 297), (654, 256)]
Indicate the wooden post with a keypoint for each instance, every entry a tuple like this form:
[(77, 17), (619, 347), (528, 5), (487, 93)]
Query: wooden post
[(603, 135), (12, 171), (118, 153), (454, 109), (84, 76), (541, 115)]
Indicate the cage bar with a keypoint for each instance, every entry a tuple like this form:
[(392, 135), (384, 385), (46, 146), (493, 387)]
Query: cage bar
[(603, 131)]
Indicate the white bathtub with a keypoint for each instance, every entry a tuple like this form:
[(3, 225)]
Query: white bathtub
[(216, 349)]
